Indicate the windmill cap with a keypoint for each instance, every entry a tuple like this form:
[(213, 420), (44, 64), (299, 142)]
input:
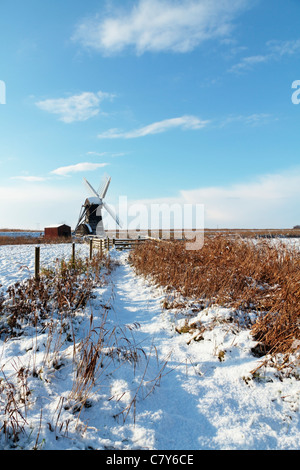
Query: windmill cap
[(93, 200)]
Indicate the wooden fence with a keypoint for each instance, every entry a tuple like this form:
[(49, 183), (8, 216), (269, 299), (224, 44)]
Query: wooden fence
[(100, 244), (104, 244)]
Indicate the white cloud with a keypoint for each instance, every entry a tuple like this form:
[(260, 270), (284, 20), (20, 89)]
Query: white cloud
[(283, 48), (250, 120), (30, 179), (160, 25), (107, 154), (183, 122), (79, 167), (275, 50), (270, 201), (75, 108), (248, 62), (30, 206), (97, 154)]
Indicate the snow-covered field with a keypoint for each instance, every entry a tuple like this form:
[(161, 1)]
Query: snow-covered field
[(182, 392), (17, 261)]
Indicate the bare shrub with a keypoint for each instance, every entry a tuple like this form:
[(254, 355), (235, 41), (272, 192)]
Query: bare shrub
[(12, 407)]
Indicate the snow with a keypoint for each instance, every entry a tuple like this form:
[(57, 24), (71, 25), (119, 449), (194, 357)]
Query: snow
[(55, 225), (17, 261), (188, 391), (94, 200)]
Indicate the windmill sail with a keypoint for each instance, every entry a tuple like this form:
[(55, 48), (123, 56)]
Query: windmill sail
[(105, 188), (112, 214), (90, 187)]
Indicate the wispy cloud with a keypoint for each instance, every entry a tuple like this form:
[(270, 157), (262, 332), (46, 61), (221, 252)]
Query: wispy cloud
[(255, 119), (75, 108), (97, 154), (79, 167), (248, 62), (269, 201), (40, 203), (107, 154), (160, 25), (30, 179), (284, 48), (275, 50), (183, 122)]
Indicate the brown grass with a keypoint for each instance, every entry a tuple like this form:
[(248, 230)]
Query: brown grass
[(47, 304), (63, 290), (256, 233), (23, 240), (232, 272)]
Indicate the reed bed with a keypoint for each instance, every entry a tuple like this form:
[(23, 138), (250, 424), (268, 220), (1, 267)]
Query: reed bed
[(245, 275), (27, 240)]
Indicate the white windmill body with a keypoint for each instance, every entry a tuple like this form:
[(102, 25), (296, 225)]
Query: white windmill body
[(90, 220)]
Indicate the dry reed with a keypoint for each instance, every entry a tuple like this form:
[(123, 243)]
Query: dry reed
[(241, 274), (28, 240), (47, 304)]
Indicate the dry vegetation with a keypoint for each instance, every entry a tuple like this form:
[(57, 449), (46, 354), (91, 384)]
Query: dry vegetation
[(61, 290), (53, 307), (47, 305), (28, 240), (247, 276), (257, 233), (244, 275)]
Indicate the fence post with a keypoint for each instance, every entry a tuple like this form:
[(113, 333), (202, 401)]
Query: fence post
[(91, 249), (73, 254), (37, 263)]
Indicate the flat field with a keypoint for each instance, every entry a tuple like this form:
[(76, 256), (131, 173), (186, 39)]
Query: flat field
[(151, 349)]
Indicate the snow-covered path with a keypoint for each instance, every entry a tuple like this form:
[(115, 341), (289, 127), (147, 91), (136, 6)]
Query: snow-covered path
[(201, 402), (169, 417)]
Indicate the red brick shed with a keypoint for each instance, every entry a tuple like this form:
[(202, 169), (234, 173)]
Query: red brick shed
[(55, 231)]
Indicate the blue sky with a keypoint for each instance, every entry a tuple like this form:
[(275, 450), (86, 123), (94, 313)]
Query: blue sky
[(184, 102)]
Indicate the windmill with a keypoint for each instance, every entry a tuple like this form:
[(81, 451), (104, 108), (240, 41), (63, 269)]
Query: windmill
[(90, 218)]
